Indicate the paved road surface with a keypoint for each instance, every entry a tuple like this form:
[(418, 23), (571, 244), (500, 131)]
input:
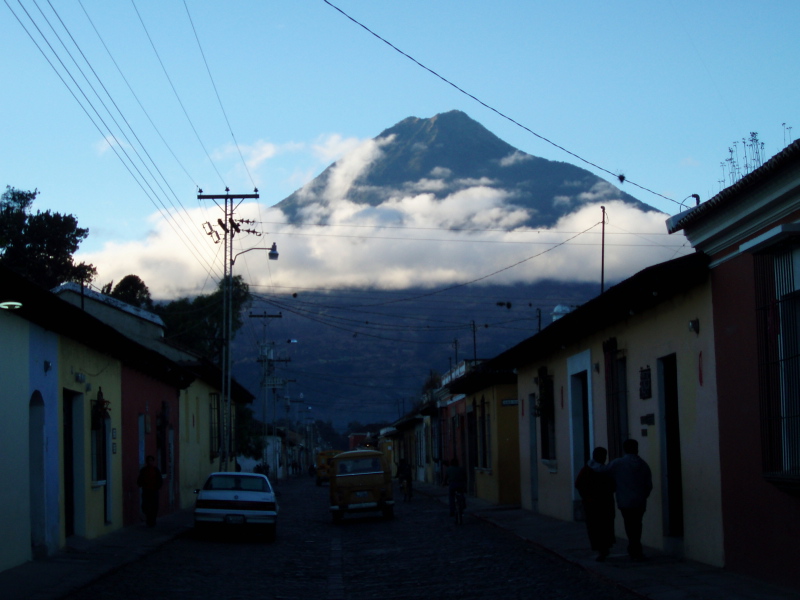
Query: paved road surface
[(419, 554)]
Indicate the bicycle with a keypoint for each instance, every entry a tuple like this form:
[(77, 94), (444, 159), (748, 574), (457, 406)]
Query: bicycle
[(405, 487), (461, 505)]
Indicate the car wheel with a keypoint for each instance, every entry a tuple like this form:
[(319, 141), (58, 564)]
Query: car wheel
[(388, 512), (337, 516)]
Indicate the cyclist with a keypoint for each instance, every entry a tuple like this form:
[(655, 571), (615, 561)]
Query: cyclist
[(456, 478)]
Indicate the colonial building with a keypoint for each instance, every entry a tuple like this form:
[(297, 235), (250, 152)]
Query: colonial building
[(636, 361), (751, 232)]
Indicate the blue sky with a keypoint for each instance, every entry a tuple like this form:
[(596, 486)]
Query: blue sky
[(657, 91)]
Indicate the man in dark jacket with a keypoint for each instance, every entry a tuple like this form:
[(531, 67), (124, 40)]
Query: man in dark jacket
[(596, 488), (634, 483), (150, 481)]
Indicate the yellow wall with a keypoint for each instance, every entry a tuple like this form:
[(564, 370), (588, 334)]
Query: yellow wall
[(96, 370), (195, 440), (644, 339), (499, 484)]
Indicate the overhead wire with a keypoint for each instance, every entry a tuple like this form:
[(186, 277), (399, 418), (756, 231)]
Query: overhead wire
[(175, 91), (119, 127), (456, 229), (484, 277), (451, 240), (216, 91), (618, 176), (135, 96), (129, 165)]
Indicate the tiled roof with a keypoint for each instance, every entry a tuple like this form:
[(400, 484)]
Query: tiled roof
[(637, 294)]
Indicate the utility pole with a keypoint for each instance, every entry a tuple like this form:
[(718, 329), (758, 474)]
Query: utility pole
[(262, 358), (474, 343), (269, 381), (230, 229), (603, 253)]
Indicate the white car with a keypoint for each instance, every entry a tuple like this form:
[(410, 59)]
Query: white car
[(237, 500)]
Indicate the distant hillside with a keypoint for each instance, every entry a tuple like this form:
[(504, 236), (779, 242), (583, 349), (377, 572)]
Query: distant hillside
[(362, 355), (452, 152)]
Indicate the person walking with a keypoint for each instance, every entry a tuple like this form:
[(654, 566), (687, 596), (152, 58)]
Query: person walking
[(405, 477), (634, 482), (150, 481), (456, 480), (596, 488)]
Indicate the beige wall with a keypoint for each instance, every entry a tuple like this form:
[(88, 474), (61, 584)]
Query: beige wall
[(96, 371), (195, 449), (644, 339)]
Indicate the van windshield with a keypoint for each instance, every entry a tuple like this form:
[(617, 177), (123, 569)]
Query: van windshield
[(359, 466)]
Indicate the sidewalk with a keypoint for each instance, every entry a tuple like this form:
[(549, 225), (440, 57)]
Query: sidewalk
[(661, 577), (84, 561)]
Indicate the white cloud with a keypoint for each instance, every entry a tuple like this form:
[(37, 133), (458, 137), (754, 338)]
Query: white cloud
[(427, 185), (107, 144), (350, 167), (412, 240), (514, 158), (602, 190), (562, 200), (332, 147)]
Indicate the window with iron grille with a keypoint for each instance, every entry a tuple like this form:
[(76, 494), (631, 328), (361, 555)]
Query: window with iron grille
[(483, 441), (99, 449), (616, 372), (546, 411), (778, 326)]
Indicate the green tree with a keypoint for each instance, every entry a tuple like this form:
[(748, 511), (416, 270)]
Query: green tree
[(249, 433), (40, 246), (196, 323), (131, 290)]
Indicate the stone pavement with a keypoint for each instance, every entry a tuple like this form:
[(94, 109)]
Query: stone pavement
[(661, 577), (84, 561)]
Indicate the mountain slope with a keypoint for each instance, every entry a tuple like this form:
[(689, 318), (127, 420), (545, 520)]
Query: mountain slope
[(450, 153)]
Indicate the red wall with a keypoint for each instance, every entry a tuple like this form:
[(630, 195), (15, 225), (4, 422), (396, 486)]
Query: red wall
[(143, 395), (761, 523)]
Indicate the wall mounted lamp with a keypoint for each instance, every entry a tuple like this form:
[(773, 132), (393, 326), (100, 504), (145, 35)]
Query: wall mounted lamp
[(694, 326)]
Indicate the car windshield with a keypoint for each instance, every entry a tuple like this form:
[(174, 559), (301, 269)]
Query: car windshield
[(237, 482), (359, 465)]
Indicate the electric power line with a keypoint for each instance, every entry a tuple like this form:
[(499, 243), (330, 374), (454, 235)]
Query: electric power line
[(618, 176)]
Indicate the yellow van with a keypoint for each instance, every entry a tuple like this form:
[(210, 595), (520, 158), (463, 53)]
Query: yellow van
[(360, 481)]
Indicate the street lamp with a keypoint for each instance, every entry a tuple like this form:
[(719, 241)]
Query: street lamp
[(272, 254)]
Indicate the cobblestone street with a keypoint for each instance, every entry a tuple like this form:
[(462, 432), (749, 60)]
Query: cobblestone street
[(420, 553)]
